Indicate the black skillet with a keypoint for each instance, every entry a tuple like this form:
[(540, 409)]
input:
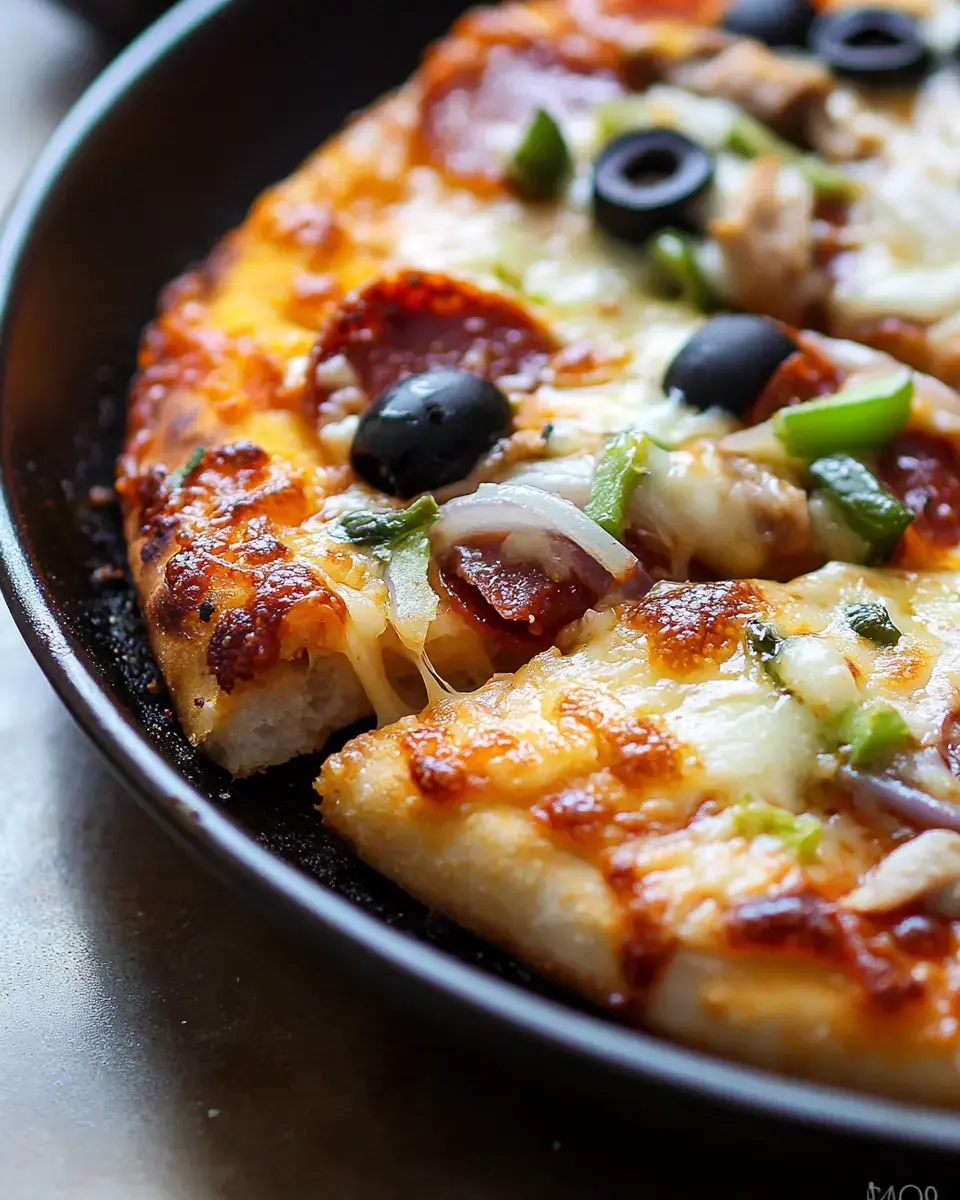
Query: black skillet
[(161, 156)]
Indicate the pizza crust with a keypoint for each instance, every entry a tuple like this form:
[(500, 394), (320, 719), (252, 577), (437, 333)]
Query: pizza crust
[(489, 868)]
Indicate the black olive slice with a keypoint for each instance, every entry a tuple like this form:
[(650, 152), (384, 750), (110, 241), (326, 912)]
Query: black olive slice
[(729, 361), (647, 180), (428, 431), (775, 22), (876, 47)]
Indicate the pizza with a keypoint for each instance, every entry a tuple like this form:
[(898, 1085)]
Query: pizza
[(726, 811), (593, 395)]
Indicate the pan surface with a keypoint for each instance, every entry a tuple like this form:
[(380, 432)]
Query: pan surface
[(158, 159)]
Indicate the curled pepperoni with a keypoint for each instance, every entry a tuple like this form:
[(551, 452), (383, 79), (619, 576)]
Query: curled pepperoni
[(413, 322), (803, 376), (518, 603), (474, 92), (924, 472)]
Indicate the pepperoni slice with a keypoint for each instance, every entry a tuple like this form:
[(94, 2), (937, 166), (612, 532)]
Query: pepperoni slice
[(924, 472), (479, 98), (803, 376), (412, 322), (518, 603)]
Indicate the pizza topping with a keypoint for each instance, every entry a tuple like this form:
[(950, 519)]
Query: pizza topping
[(918, 808), (872, 621), (413, 322), (428, 431), (867, 414), (803, 376), (399, 537), (872, 733), (179, 477), (381, 530), (924, 472), (618, 473), (649, 179), (676, 269), (858, 499), (916, 869), (533, 599), (542, 162), (782, 91), (749, 138), (803, 922), (477, 97), (875, 47), (801, 833), (518, 509), (764, 234), (729, 361), (777, 23)]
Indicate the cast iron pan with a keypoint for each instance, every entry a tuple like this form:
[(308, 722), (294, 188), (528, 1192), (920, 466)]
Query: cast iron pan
[(159, 158)]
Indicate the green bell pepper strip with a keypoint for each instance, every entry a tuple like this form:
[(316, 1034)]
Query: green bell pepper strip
[(381, 530), (542, 162), (864, 416), (620, 469), (673, 257), (751, 139), (862, 503)]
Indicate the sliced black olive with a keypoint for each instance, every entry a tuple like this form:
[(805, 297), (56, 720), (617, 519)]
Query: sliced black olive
[(775, 22), (428, 431), (876, 47), (728, 362), (648, 179)]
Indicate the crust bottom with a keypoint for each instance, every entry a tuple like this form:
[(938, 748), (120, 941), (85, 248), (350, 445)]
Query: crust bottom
[(293, 711)]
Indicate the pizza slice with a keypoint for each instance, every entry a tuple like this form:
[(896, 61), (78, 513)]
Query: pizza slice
[(727, 811)]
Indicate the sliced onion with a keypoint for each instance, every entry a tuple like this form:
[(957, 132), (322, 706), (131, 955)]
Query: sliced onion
[(916, 807), (509, 508)]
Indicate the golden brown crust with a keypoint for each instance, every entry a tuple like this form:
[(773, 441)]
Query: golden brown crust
[(733, 945)]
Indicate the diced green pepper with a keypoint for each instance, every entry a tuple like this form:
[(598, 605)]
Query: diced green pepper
[(674, 260), (801, 832), (873, 732), (620, 469), (752, 139), (872, 621), (542, 161), (862, 417), (177, 478), (763, 640), (382, 530), (862, 503)]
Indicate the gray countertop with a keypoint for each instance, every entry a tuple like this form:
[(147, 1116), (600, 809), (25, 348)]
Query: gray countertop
[(158, 1039)]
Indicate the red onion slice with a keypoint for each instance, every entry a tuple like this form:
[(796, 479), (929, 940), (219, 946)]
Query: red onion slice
[(917, 808), (511, 508)]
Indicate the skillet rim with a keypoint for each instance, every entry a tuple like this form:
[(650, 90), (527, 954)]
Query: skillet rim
[(626, 1056)]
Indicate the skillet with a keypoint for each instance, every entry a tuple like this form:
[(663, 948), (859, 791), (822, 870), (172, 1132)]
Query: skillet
[(160, 157)]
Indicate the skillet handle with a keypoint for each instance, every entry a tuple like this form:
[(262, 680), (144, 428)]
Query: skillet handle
[(120, 20)]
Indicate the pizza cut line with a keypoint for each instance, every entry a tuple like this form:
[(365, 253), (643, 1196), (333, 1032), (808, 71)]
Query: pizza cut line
[(593, 396)]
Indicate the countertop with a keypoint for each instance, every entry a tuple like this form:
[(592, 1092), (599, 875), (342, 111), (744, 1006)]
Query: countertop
[(160, 1039)]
